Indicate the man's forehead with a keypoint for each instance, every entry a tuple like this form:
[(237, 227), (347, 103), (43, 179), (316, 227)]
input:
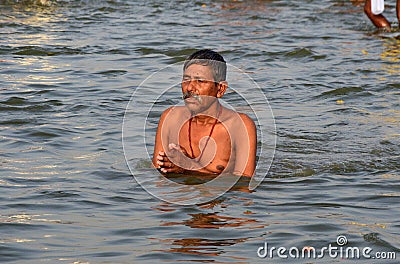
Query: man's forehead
[(197, 70)]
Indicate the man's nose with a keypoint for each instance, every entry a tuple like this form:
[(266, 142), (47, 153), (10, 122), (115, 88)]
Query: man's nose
[(191, 86)]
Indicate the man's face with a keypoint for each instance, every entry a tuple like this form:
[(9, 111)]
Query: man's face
[(199, 88)]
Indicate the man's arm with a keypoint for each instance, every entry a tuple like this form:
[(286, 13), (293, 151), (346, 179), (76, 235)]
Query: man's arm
[(160, 158), (246, 148), (158, 147)]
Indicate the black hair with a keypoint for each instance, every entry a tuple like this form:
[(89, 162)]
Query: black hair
[(207, 57)]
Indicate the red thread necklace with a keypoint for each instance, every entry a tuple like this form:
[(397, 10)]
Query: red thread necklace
[(209, 136)]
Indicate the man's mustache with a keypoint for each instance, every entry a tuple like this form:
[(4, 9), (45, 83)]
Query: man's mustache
[(189, 94)]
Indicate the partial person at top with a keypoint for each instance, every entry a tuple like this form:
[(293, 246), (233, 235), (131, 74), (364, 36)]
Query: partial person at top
[(378, 19), (203, 136)]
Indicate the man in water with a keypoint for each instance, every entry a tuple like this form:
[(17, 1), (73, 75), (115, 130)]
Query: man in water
[(203, 136), (379, 20)]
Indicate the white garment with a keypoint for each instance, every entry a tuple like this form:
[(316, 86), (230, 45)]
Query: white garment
[(377, 6)]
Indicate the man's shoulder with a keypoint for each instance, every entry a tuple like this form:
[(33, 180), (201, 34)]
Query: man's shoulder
[(239, 117), (247, 121), (245, 117)]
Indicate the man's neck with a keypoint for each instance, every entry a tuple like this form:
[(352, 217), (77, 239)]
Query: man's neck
[(208, 116)]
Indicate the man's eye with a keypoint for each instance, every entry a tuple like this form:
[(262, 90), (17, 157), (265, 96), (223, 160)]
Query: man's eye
[(199, 81)]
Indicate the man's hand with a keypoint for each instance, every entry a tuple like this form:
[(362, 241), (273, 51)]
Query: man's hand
[(179, 156), (176, 160), (176, 153), (165, 165)]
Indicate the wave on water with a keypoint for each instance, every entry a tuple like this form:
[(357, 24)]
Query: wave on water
[(55, 2)]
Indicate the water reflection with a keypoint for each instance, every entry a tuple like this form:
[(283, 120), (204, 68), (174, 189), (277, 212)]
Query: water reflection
[(205, 246), (31, 49), (30, 3), (198, 242), (250, 13), (202, 247), (391, 54), (213, 221)]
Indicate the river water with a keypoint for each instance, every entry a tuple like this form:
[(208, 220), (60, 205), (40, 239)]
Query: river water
[(68, 70)]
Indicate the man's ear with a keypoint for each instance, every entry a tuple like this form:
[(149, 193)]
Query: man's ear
[(222, 86)]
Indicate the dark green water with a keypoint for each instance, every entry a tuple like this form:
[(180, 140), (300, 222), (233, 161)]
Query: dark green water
[(67, 73)]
